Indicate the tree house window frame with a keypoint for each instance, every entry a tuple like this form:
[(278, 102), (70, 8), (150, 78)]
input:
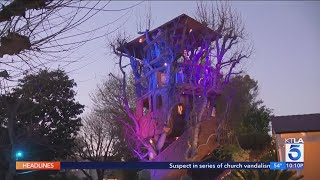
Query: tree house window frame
[(159, 101), (145, 106)]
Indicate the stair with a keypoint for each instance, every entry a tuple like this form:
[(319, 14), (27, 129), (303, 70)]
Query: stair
[(176, 151), (207, 136), (207, 139)]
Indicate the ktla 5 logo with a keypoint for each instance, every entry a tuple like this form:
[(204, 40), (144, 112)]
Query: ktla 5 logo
[(294, 150)]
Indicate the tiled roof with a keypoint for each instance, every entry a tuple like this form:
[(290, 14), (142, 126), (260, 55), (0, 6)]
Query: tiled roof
[(184, 20), (296, 123)]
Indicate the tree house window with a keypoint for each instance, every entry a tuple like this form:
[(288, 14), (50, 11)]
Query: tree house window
[(146, 107), (159, 101), (213, 112), (181, 59), (180, 109), (151, 103), (180, 76), (163, 79)]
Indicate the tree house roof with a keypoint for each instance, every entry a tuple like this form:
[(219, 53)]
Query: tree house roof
[(178, 24)]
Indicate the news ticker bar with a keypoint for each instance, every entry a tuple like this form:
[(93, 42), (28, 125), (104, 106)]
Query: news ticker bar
[(44, 165)]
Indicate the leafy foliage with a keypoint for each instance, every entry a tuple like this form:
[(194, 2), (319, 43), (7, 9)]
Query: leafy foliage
[(253, 131), (46, 119), (221, 154), (225, 153), (254, 141), (241, 93), (248, 118), (271, 153), (256, 120), (55, 115), (228, 153)]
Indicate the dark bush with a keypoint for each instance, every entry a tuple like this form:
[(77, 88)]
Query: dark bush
[(254, 141), (222, 154)]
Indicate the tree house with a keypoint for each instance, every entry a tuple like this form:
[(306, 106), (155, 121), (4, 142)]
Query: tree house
[(176, 84)]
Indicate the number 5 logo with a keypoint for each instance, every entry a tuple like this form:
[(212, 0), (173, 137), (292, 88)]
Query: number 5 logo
[(294, 148)]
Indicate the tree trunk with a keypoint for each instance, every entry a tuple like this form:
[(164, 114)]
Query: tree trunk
[(9, 174), (100, 174), (161, 141), (11, 170), (86, 174), (197, 128), (11, 120)]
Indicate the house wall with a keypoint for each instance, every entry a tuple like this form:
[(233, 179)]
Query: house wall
[(311, 152)]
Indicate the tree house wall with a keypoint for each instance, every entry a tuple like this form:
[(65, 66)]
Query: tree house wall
[(173, 70)]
